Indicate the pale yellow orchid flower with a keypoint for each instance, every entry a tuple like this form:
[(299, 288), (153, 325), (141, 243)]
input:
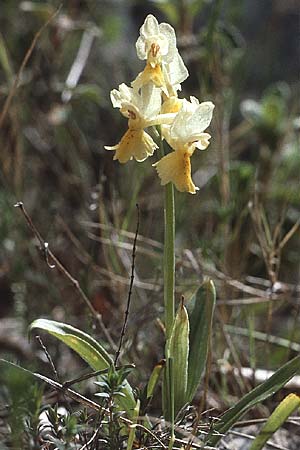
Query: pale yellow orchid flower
[(142, 110), (185, 135), (164, 66)]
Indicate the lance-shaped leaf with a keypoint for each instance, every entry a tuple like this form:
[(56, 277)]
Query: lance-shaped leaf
[(88, 348), (257, 395), (154, 378), (277, 418), (200, 310), (178, 352)]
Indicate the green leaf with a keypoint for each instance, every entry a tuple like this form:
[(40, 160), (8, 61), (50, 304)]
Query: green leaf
[(200, 310), (277, 418), (102, 394), (83, 344), (135, 416), (257, 395), (89, 349), (178, 352), (154, 377), (4, 59)]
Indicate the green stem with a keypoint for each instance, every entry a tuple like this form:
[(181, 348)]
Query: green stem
[(169, 259), (171, 398), (169, 253), (169, 298)]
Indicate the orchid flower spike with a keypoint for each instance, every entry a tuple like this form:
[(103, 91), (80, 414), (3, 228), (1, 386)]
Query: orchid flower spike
[(185, 135), (142, 111), (164, 66)]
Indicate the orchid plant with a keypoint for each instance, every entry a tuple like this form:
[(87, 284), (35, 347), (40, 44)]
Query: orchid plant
[(157, 116), (153, 100)]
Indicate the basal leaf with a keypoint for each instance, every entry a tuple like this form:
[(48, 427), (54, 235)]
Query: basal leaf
[(200, 310), (178, 352), (89, 349)]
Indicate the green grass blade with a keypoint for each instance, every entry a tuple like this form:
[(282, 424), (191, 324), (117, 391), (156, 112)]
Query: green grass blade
[(200, 310), (4, 60), (277, 418), (178, 352), (135, 416), (257, 395)]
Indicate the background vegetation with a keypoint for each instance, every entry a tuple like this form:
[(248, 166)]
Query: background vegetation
[(241, 228)]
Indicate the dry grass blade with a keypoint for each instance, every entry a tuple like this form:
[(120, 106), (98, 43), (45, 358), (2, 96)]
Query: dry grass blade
[(22, 67)]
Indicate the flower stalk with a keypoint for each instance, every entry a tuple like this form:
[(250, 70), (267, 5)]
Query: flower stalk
[(169, 252), (169, 259), (169, 295)]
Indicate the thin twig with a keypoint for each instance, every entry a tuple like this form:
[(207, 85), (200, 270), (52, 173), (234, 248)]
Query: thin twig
[(86, 445), (289, 234), (48, 254), (22, 67), (138, 425), (48, 356), (75, 395), (130, 286), (89, 375)]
